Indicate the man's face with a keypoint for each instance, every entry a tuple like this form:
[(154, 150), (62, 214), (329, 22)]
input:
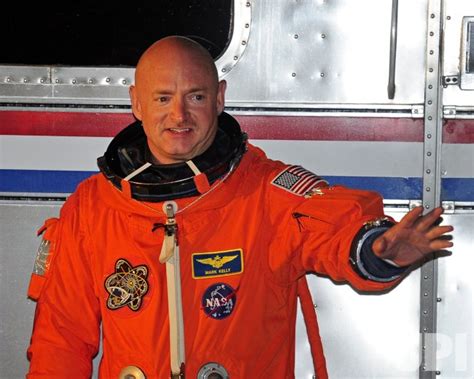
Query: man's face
[(178, 102)]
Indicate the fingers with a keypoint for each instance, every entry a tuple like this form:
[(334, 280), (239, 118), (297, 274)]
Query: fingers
[(438, 231), (440, 244), (411, 217), (426, 221)]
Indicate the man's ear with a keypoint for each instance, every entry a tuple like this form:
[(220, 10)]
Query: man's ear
[(221, 96), (136, 107)]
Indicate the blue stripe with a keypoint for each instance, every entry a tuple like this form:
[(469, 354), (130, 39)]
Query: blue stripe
[(39, 181), (389, 188), (457, 189)]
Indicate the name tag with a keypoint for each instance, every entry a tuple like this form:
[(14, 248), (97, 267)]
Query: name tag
[(217, 263)]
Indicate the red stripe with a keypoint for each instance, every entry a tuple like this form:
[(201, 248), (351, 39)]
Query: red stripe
[(63, 123), (332, 128), (92, 124), (307, 186), (304, 180), (458, 131)]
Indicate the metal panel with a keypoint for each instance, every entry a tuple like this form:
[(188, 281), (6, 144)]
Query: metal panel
[(454, 11), (17, 253), (364, 336), (309, 52), (455, 337), (377, 337)]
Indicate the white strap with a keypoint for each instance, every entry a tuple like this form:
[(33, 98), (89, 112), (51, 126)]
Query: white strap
[(193, 167), (168, 248), (170, 255), (175, 312), (137, 171)]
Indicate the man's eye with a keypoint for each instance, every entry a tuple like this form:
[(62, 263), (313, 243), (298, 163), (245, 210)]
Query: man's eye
[(163, 99), (198, 97)]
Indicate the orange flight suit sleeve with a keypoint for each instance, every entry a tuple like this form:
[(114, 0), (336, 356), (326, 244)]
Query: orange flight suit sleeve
[(65, 334), (318, 231)]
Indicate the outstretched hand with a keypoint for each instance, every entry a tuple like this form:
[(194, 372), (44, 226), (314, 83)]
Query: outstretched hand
[(413, 238)]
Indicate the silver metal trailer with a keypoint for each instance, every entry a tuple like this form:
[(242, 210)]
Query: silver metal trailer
[(375, 94)]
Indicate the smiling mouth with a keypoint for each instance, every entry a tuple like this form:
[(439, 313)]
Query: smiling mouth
[(179, 130)]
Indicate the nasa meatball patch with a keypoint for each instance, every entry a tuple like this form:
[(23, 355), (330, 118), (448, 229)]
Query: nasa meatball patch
[(218, 301), (297, 180)]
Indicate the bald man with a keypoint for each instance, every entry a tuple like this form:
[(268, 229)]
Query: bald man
[(189, 247)]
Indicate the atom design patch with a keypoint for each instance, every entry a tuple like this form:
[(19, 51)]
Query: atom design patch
[(126, 286), (297, 180), (219, 301)]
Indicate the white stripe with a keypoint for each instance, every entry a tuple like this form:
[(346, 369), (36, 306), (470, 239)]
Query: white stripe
[(51, 153), (335, 158), (342, 158)]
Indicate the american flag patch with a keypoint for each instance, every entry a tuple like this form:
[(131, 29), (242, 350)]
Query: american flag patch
[(297, 180)]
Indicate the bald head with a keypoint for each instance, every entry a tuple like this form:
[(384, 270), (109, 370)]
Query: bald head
[(178, 97), (171, 50)]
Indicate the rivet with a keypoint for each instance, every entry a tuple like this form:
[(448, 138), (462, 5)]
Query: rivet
[(430, 86), (247, 4), (425, 312), (448, 17), (107, 80), (428, 171), (235, 57), (427, 206), (425, 329), (293, 74), (42, 80), (432, 15), (438, 372), (430, 70), (428, 153), (321, 75), (323, 35), (425, 277), (56, 81), (438, 299), (428, 136), (430, 118), (124, 82), (8, 79), (425, 294), (73, 81), (25, 80), (430, 102), (428, 189), (247, 25), (296, 36), (91, 81), (223, 69), (431, 52), (431, 34), (244, 43)]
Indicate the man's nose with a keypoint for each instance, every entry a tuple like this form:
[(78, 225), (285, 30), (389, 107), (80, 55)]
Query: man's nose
[(178, 110)]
